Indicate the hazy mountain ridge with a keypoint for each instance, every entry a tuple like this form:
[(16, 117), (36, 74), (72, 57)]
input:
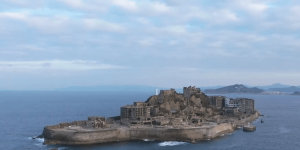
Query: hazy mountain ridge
[(287, 89), (276, 85), (296, 93), (237, 88)]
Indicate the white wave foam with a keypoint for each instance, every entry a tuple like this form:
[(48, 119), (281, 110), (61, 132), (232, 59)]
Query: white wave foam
[(148, 140), (171, 143), (284, 130), (39, 141)]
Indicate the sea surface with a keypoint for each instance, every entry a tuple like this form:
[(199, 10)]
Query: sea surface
[(23, 115)]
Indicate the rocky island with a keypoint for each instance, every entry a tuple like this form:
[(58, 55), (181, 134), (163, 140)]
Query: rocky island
[(286, 89), (296, 93), (237, 88), (167, 116)]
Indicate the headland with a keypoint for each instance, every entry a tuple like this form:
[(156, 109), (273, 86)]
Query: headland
[(167, 116)]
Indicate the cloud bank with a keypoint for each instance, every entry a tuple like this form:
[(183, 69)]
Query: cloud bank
[(169, 43), (77, 65)]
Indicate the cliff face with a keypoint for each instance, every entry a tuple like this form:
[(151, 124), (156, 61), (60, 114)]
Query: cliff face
[(172, 102), (237, 88)]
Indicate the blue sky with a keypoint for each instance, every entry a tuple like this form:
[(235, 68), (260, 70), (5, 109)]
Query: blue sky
[(49, 44)]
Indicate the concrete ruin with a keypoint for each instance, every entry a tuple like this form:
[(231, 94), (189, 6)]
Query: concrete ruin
[(189, 116)]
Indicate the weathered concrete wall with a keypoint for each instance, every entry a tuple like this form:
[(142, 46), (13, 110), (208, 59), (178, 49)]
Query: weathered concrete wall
[(55, 136), (84, 137), (60, 134), (247, 120), (187, 134)]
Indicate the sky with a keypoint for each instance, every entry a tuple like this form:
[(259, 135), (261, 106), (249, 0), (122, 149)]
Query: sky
[(48, 44)]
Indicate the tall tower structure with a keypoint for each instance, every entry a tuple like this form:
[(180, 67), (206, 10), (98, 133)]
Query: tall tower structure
[(156, 92)]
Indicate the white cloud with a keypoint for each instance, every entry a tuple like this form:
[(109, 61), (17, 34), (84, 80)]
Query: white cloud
[(222, 16), (25, 3), (143, 20), (76, 65), (30, 47), (55, 24), (101, 25), (62, 24), (125, 4), (233, 35), (159, 7), (256, 7), (148, 41), (100, 6), (91, 5)]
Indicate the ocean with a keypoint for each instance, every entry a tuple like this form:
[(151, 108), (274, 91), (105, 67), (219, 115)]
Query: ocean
[(23, 115)]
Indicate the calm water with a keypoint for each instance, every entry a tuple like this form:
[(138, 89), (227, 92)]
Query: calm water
[(24, 114)]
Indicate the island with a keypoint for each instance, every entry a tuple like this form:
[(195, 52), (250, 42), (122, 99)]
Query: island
[(190, 116), (237, 88), (286, 89), (296, 93)]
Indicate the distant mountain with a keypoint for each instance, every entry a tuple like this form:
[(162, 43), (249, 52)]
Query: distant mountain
[(296, 93), (109, 88), (286, 89), (276, 85), (237, 88), (210, 87)]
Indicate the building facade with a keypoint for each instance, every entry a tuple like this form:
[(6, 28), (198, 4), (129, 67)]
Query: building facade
[(231, 102), (188, 91), (217, 101), (137, 111), (243, 104)]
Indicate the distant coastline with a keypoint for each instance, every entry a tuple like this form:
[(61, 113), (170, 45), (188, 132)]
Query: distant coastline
[(253, 93), (241, 89)]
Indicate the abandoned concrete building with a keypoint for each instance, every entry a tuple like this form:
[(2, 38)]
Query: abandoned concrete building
[(243, 104), (246, 105), (137, 111), (141, 113), (162, 93), (217, 101), (232, 111), (231, 102), (232, 105), (188, 91), (96, 122)]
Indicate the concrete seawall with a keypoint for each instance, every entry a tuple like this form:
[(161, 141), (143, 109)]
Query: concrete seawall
[(181, 134), (247, 120), (74, 134), (82, 137), (69, 137)]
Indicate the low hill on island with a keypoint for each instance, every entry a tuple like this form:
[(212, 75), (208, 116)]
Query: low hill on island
[(296, 93), (287, 89), (237, 88)]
